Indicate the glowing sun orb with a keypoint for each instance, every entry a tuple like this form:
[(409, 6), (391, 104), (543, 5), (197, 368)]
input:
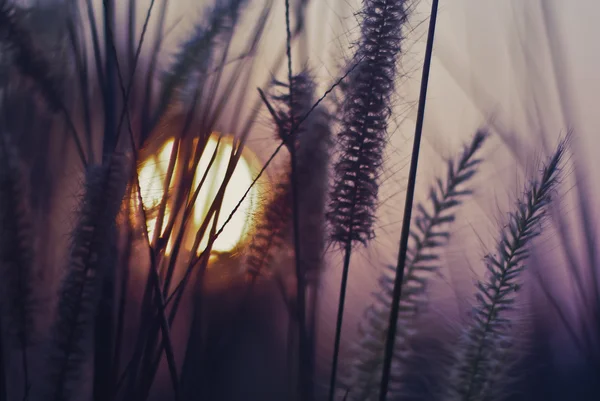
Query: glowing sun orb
[(152, 176)]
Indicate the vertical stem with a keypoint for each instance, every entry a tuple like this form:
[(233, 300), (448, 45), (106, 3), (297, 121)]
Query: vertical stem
[(110, 98), (24, 364), (391, 334), (304, 372), (3, 389), (340, 317), (121, 307), (104, 327)]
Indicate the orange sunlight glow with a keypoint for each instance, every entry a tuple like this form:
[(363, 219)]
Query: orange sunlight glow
[(152, 176)]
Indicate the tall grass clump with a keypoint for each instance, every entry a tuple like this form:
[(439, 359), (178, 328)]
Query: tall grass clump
[(488, 334), (429, 236)]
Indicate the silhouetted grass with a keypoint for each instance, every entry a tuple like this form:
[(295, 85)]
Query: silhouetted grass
[(143, 305)]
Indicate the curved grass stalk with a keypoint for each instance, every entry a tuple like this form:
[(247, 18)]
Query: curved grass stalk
[(482, 344)]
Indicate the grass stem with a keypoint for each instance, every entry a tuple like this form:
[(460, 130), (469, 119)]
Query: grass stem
[(410, 192)]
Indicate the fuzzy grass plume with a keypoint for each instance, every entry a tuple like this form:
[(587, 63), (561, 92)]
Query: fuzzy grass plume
[(365, 113), (313, 155), (29, 61), (17, 256), (32, 63), (305, 185), (196, 54), (274, 228), (482, 345), (286, 112), (268, 235), (429, 235), (365, 110), (80, 291), (311, 141)]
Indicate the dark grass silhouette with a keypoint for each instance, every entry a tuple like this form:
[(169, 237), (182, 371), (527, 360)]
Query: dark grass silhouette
[(164, 316)]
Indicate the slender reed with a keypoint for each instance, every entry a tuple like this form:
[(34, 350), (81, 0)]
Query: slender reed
[(410, 192), (362, 138), (104, 320)]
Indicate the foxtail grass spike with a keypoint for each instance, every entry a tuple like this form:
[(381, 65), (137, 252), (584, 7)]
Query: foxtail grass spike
[(274, 226), (429, 235), (302, 102), (312, 144), (365, 110), (70, 343), (365, 114), (196, 54), (32, 63), (17, 255), (483, 338), (29, 60), (313, 157), (269, 234)]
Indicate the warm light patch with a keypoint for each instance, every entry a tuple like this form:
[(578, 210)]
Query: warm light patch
[(152, 176), (238, 184)]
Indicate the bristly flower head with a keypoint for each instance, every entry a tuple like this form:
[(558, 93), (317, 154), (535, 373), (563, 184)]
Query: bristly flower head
[(197, 53), (311, 141), (304, 88), (365, 111)]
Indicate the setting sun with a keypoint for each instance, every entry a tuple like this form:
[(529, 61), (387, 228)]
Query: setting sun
[(152, 175)]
